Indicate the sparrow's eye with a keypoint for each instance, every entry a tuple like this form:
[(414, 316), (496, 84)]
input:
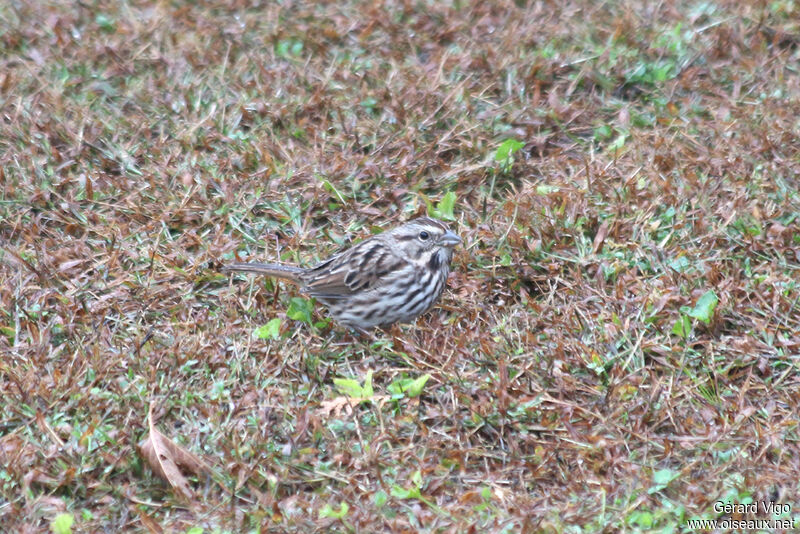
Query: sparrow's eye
[(424, 235)]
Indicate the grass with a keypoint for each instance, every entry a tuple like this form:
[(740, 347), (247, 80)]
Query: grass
[(618, 349)]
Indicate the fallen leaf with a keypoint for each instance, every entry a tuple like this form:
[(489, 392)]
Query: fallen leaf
[(600, 236), (166, 457), (337, 405), (149, 522)]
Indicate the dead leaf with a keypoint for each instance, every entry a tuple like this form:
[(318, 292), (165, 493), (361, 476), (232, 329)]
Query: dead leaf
[(149, 522), (335, 406), (41, 422), (600, 237), (166, 457)]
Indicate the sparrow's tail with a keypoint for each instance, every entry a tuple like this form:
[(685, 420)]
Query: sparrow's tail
[(287, 272)]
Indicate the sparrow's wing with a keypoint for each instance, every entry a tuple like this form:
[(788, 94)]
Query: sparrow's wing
[(356, 270)]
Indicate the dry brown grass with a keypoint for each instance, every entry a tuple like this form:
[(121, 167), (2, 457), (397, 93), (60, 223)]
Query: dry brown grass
[(143, 144)]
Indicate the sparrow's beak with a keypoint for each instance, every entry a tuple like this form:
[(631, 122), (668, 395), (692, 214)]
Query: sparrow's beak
[(449, 239)]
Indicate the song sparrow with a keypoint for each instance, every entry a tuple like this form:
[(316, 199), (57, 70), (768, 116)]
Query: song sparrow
[(389, 278)]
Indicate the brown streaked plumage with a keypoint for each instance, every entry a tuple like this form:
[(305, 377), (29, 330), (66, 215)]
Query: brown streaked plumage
[(389, 278)]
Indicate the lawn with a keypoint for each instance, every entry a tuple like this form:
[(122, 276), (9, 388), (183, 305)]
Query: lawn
[(618, 348)]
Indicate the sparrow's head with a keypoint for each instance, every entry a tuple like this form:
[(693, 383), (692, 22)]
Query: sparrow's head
[(425, 241)]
